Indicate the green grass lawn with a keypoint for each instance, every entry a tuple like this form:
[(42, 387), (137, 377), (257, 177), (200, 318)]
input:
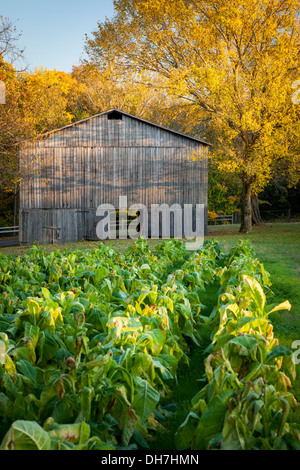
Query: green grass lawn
[(277, 246)]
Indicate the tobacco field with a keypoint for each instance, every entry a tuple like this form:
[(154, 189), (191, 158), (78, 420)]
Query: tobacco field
[(91, 343)]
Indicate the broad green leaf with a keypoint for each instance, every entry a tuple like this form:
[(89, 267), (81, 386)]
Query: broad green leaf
[(244, 342), (25, 368), (46, 347), (158, 341), (169, 361), (100, 273), (31, 332), (6, 406), (283, 306), (256, 292), (20, 407), (211, 421), (121, 375), (166, 301), (165, 373), (146, 398), (51, 315), (244, 324), (63, 409), (46, 293), (278, 351), (143, 363), (85, 432), (34, 310), (26, 435), (143, 296), (127, 422), (185, 432), (107, 288), (50, 391), (145, 267), (233, 434), (270, 374), (86, 398), (10, 367)]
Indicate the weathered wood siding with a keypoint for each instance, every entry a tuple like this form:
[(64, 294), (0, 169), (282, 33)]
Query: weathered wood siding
[(75, 169)]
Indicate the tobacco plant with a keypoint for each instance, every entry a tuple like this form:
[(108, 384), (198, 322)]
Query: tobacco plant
[(91, 343), (93, 340), (245, 402)]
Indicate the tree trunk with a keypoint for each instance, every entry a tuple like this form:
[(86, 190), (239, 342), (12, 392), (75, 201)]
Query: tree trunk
[(256, 217), (246, 207)]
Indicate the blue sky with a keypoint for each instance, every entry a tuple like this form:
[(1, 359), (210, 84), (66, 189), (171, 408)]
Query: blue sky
[(53, 33)]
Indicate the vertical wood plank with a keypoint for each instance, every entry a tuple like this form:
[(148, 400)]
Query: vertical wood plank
[(97, 161)]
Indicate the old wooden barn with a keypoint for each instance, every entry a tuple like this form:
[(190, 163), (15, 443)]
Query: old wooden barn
[(70, 171)]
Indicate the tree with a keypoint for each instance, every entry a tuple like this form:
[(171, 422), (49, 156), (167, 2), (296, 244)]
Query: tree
[(235, 61), (35, 103), (223, 191), (103, 88), (10, 53), (9, 37), (46, 99), (9, 115)]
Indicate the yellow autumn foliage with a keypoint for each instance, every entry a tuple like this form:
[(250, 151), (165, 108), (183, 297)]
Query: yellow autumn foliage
[(233, 61)]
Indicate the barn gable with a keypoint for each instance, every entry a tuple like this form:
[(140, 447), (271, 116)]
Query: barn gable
[(116, 128), (94, 161)]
